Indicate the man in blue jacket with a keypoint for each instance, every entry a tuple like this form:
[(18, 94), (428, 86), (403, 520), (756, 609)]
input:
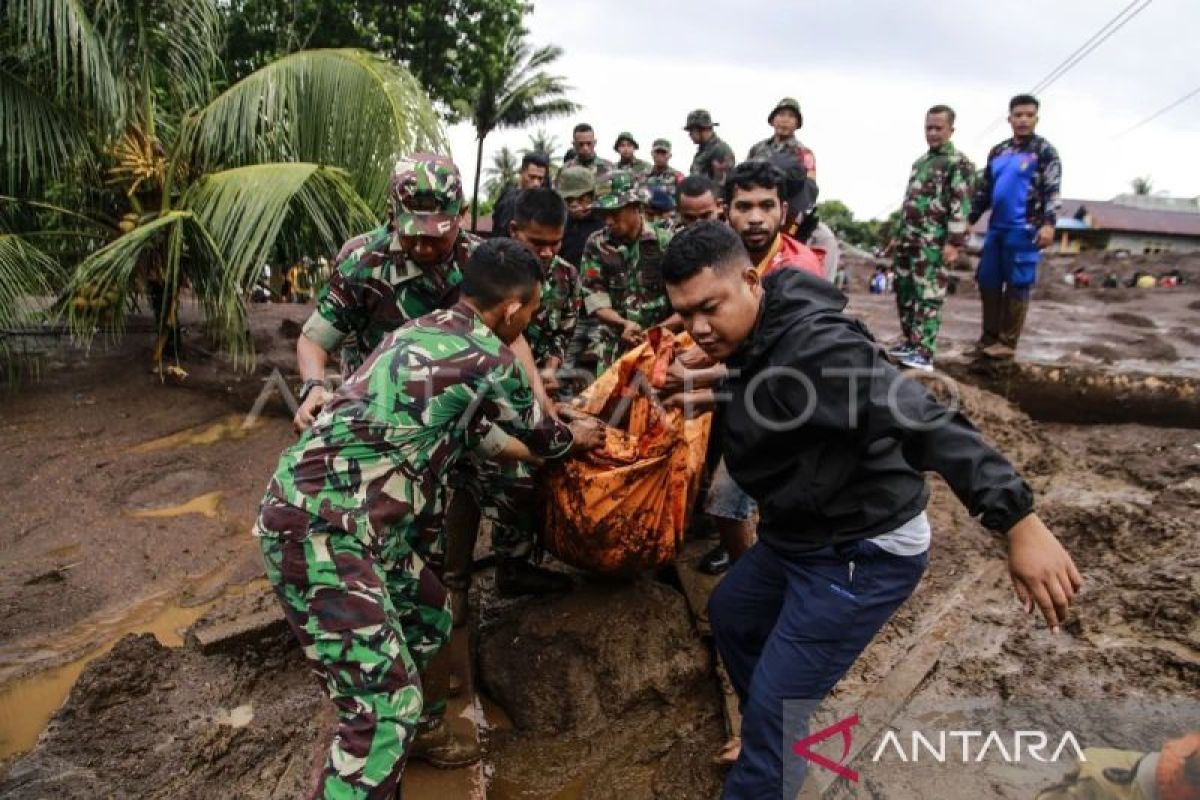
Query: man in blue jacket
[(832, 442), (1021, 186)]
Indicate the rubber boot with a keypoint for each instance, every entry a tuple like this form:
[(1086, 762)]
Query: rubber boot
[(992, 303), (1010, 330), (438, 746), (462, 530)]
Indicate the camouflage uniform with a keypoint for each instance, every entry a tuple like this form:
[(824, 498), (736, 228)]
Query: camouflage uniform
[(623, 276), (763, 151), (354, 509), (668, 178), (505, 493), (598, 166), (376, 287), (714, 158), (936, 206)]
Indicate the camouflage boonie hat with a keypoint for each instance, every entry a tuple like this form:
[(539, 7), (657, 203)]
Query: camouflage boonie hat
[(700, 118), (426, 195), (623, 136), (575, 182), (661, 144), (788, 103), (619, 189)]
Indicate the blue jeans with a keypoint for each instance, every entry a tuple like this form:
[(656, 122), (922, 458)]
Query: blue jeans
[(787, 629), (1009, 259)]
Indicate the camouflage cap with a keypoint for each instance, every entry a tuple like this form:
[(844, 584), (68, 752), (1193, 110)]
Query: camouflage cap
[(619, 189), (426, 195), (789, 103), (575, 182), (661, 144), (700, 118), (626, 136)]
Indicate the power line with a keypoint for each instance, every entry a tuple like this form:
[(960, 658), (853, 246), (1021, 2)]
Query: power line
[(1161, 111), (1098, 38)]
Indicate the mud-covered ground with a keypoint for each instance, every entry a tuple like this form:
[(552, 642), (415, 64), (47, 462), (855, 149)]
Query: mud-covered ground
[(599, 714)]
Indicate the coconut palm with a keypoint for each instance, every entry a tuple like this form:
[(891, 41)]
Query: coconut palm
[(501, 174), (128, 173), (542, 142), (1143, 185), (513, 91)]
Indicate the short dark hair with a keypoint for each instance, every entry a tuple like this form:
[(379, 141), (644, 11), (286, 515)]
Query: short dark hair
[(943, 109), (582, 127), (698, 186), (708, 243), (750, 174), (542, 206), (1023, 100), (536, 158), (499, 269)]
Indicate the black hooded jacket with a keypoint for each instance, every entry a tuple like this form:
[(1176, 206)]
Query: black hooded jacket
[(832, 441)]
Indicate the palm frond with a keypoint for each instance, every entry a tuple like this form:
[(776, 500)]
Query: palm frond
[(77, 60), (346, 108), (38, 139), (243, 211), (26, 275)]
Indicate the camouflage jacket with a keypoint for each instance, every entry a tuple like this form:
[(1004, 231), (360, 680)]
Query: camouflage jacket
[(713, 159), (627, 277), (375, 461), (375, 289), (637, 167), (599, 166), (668, 179), (767, 147), (938, 200), (550, 331)]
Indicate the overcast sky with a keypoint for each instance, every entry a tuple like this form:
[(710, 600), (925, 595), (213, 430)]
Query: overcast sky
[(865, 72)]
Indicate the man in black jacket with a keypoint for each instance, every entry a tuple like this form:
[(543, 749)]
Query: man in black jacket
[(832, 443)]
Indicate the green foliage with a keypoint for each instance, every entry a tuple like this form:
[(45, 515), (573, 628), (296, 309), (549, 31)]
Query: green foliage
[(501, 174), (126, 167), (867, 234), (445, 44)]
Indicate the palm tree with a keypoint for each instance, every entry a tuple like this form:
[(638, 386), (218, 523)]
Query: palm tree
[(515, 91), (501, 174), (542, 142), (1142, 185), (126, 172)]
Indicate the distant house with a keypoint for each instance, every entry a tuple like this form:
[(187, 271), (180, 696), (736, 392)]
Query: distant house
[(1135, 224)]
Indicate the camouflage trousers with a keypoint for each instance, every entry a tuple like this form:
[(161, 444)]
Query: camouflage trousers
[(506, 496), (920, 293), (369, 618)]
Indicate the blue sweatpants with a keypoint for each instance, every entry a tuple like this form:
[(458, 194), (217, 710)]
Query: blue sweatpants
[(1009, 259), (787, 629)]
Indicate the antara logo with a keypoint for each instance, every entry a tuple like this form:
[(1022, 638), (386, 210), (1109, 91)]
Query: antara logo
[(803, 747)]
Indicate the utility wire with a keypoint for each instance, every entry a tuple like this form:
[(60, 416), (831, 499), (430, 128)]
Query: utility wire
[(1161, 111), (1098, 38)]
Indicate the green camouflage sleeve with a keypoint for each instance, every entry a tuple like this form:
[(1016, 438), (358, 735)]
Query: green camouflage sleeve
[(591, 272), (962, 186), (568, 321), (507, 400), (339, 308), (723, 161)]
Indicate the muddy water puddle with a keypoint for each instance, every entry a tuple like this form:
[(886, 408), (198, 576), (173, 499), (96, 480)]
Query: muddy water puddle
[(28, 702), (231, 426), (208, 505)]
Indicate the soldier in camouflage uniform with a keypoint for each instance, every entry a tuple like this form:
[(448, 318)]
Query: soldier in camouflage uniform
[(713, 157), (505, 493), (622, 272), (583, 152), (626, 146), (786, 119), (662, 173), (354, 508), (933, 226)]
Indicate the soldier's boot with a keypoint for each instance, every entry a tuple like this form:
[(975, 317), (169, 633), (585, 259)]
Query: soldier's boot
[(462, 530), (1010, 330), (516, 577), (437, 746), (992, 302)]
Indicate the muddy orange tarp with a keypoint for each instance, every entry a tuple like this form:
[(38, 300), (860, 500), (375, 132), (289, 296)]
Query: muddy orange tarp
[(623, 508)]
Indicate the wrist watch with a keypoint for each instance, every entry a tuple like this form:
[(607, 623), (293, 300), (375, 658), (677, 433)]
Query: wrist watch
[(307, 387)]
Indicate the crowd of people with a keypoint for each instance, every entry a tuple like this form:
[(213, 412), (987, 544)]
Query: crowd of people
[(457, 355)]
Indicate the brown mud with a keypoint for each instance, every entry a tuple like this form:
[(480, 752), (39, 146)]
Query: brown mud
[(605, 693)]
